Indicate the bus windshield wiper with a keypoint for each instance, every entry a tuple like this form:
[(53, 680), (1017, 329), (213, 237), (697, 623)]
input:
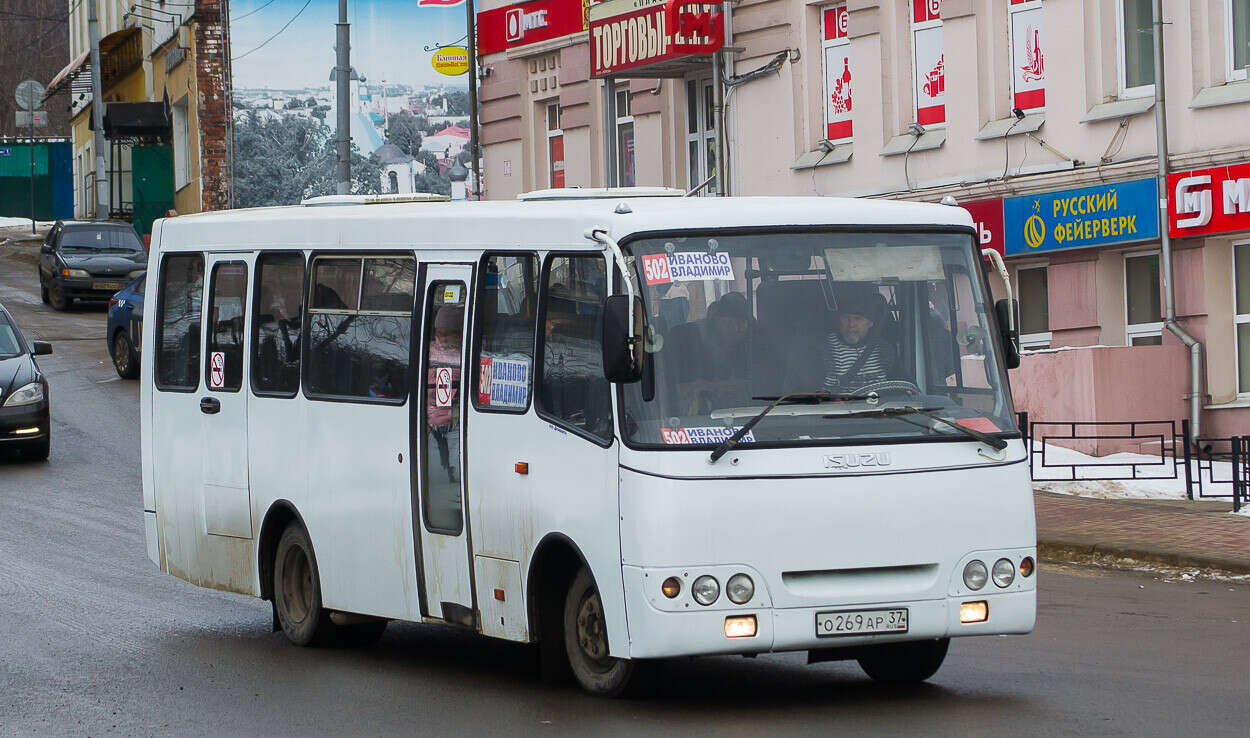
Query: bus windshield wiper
[(993, 442), (794, 398)]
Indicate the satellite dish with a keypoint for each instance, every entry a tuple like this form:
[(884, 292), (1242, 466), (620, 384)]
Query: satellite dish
[(29, 94)]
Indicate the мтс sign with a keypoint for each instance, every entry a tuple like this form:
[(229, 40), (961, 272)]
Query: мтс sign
[(1205, 201)]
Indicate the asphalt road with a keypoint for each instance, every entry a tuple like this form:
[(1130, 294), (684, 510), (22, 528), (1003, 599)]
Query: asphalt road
[(94, 640)]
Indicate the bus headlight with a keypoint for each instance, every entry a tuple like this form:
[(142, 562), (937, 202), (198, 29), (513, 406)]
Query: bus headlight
[(740, 589), (975, 575), (1004, 572), (705, 590)]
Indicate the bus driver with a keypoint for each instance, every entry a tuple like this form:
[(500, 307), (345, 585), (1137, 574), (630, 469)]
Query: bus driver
[(856, 355)]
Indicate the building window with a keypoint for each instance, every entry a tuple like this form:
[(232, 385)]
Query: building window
[(555, 147), (928, 62), (182, 173), (700, 134), (1238, 22), (1028, 63), (1143, 315), (1241, 317), (624, 139), (1137, 54), (1033, 292), (836, 48)]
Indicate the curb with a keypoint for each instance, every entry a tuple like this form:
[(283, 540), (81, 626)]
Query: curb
[(1120, 557)]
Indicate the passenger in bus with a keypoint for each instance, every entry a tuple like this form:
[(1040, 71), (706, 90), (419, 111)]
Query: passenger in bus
[(856, 352), (442, 408), (712, 355)]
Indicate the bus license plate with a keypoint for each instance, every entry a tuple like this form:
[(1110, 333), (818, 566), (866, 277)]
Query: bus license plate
[(860, 622), (112, 286)]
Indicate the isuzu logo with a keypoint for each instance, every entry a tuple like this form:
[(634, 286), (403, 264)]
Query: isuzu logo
[(842, 462)]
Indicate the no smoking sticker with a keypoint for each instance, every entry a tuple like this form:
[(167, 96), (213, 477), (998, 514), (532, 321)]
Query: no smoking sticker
[(443, 390), (217, 370)]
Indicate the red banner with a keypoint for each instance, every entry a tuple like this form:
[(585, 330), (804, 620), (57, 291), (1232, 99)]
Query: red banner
[(528, 23), (1205, 201), (628, 34), (988, 216)]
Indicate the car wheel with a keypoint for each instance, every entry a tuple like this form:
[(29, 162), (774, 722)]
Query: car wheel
[(56, 296), (297, 590), (586, 640), (124, 359), (39, 450), (905, 663), (43, 289)]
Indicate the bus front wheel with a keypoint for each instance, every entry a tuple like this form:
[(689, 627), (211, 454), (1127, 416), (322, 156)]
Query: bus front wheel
[(905, 663), (586, 640), (297, 590)]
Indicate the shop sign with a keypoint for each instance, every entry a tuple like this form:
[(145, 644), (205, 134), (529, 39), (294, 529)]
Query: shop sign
[(1092, 216), (1028, 64), (988, 217), (1213, 200), (629, 34), (521, 24), (452, 61)]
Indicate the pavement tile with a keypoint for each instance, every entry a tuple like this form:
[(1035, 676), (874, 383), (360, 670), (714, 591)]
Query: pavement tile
[(1192, 534)]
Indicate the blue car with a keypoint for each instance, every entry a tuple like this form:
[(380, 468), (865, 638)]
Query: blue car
[(125, 328)]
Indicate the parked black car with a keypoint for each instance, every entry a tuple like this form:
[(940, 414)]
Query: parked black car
[(24, 422), (88, 260)]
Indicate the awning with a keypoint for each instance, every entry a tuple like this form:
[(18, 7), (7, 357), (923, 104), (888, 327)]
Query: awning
[(72, 77), (136, 120)]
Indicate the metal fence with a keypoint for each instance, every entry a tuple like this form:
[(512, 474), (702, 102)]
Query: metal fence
[(1094, 451)]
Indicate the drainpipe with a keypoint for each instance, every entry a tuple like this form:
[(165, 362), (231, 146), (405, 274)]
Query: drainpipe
[(1169, 296)]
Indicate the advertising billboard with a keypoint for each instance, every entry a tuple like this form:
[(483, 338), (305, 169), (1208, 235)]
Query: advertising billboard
[(1123, 212), (408, 122)]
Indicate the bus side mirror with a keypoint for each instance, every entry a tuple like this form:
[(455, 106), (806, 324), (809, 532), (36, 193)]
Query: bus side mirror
[(1008, 314), (622, 343), (40, 348)]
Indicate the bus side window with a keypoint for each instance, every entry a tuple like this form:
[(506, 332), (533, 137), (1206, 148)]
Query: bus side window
[(277, 324), (359, 321), (503, 365), (178, 323), (573, 390), (227, 290)]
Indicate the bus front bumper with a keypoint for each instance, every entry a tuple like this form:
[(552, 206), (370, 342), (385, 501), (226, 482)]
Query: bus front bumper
[(654, 633)]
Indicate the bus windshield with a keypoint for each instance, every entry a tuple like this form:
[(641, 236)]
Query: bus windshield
[(861, 322)]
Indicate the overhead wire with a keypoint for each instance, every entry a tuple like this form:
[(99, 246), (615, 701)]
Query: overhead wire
[(252, 11), (279, 33)]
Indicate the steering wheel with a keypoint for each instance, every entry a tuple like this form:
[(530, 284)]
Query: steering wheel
[(890, 385)]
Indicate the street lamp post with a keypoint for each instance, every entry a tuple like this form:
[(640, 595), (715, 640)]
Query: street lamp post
[(342, 83)]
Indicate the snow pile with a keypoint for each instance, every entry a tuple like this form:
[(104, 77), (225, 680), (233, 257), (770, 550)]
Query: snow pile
[(1153, 480)]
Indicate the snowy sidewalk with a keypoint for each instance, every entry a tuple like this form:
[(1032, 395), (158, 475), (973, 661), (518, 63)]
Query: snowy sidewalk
[(1176, 533)]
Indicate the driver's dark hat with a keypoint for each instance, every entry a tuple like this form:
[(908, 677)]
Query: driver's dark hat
[(860, 299)]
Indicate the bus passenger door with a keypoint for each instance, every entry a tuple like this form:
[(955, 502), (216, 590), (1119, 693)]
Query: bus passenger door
[(437, 443), (223, 400)]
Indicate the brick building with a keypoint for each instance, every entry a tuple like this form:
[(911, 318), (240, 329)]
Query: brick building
[(166, 82)]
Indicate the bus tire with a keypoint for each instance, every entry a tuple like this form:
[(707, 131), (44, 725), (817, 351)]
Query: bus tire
[(586, 640), (905, 663), (297, 590)]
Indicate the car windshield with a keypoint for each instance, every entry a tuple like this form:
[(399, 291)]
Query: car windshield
[(10, 344), (111, 240), (862, 320)]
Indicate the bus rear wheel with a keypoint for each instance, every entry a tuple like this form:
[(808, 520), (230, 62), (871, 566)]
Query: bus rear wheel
[(586, 641), (905, 663), (297, 590)]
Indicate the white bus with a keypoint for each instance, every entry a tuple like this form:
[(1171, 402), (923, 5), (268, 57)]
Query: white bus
[(796, 436)]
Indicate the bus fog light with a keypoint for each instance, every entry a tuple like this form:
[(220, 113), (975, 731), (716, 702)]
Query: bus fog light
[(1026, 567), (705, 590), (740, 589), (1004, 572), (740, 626), (671, 587), (975, 575), (974, 612)]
